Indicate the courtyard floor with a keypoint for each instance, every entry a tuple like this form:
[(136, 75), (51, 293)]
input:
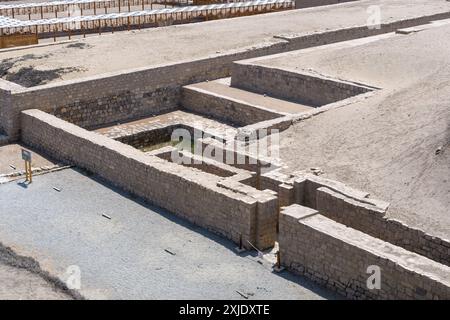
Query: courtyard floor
[(141, 252)]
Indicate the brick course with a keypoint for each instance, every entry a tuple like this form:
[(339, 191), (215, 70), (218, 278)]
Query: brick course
[(338, 257)]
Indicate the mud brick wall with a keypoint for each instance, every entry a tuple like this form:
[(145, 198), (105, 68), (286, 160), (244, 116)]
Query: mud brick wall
[(306, 89), (267, 208), (338, 257), (5, 103), (205, 165), (157, 89), (145, 139), (170, 186), (370, 220), (225, 109)]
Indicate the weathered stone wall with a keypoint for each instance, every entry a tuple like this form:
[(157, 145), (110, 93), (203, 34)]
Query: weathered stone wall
[(371, 220), (6, 89), (105, 99), (203, 164), (299, 4), (355, 209), (226, 211), (303, 88), (338, 257), (145, 139), (223, 108)]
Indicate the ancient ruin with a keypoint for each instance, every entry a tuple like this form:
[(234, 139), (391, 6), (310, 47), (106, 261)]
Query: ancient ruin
[(316, 136)]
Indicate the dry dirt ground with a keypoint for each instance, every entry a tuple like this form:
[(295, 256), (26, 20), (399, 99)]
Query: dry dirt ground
[(394, 144), (20, 284), (151, 47), (11, 159)]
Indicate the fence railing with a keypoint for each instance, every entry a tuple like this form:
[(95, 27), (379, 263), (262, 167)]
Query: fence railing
[(138, 19)]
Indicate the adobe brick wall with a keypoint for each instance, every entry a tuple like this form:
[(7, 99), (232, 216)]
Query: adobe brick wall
[(302, 88), (121, 96), (222, 210), (145, 139), (299, 4), (338, 257), (353, 208), (5, 105), (371, 220), (6, 89)]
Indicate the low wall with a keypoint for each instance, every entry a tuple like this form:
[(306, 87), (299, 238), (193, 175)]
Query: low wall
[(338, 257), (7, 41), (223, 108), (5, 105), (302, 88), (370, 220), (222, 210), (116, 97), (148, 138), (300, 4)]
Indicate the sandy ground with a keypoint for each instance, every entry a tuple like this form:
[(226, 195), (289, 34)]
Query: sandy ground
[(142, 252), (395, 144), (127, 50), (222, 87), (11, 159)]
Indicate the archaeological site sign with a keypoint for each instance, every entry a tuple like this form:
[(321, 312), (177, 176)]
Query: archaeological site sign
[(26, 155)]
